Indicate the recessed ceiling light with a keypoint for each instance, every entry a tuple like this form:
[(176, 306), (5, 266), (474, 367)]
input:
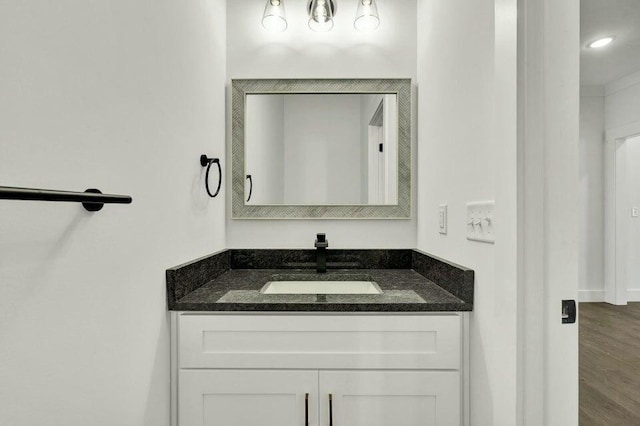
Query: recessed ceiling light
[(601, 42)]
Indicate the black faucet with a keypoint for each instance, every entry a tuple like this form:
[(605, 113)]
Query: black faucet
[(321, 253)]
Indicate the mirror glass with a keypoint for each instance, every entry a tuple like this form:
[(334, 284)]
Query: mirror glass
[(321, 149)]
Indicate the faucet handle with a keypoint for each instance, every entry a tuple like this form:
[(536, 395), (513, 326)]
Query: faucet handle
[(321, 241)]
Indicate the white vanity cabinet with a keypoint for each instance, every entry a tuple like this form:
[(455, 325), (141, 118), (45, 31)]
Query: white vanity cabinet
[(319, 369), (246, 397)]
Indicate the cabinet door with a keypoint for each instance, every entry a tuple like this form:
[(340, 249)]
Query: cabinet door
[(246, 397), (383, 398)]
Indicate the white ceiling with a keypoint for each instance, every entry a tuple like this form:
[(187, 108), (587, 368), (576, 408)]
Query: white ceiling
[(600, 18)]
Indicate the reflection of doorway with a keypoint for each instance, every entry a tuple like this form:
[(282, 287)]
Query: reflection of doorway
[(382, 151), (377, 156)]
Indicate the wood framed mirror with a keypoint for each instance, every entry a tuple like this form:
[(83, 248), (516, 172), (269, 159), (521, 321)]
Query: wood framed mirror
[(329, 148)]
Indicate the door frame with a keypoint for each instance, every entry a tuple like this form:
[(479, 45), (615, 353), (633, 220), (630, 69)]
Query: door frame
[(548, 134), (616, 214)]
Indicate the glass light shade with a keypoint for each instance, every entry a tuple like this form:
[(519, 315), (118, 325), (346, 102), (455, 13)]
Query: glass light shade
[(321, 15), (274, 18), (367, 18)]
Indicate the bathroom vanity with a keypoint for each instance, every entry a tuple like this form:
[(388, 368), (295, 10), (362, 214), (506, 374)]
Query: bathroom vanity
[(320, 337), (244, 356)]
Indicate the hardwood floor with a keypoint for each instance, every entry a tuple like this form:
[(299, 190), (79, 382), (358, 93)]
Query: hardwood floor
[(609, 364)]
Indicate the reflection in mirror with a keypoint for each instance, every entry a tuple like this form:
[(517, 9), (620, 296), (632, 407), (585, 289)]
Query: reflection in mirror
[(321, 149)]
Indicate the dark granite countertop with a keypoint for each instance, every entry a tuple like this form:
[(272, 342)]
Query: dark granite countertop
[(405, 288)]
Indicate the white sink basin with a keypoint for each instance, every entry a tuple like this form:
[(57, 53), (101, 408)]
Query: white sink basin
[(321, 287)]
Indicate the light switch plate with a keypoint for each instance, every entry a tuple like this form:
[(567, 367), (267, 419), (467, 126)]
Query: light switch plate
[(442, 219), (634, 212), (480, 226)]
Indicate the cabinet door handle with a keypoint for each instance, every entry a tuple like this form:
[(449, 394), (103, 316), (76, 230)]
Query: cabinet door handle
[(330, 409), (306, 409)]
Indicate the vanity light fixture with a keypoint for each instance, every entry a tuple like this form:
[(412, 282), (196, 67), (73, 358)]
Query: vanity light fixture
[(601, 42), (367, 18), (321, 13), (274, 18)]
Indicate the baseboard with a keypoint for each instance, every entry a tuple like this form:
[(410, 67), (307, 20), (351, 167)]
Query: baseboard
[(593, 295), (633, 295)]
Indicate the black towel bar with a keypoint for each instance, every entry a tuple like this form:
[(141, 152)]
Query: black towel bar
[(92, 199)]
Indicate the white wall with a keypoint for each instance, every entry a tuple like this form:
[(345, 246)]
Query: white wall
[(609, 109), (622, 111), (389, 52), (322, 149), (633, 188), (591, 195), (467, 152), (264, 157), (623, 101), (123, 96)]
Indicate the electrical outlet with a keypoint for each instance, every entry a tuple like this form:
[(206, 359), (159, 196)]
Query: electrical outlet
[(480, 221), (442, 219)]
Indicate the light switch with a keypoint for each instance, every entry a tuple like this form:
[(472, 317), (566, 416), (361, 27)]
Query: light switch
[(480, 226), (442, 219), (634, 212)]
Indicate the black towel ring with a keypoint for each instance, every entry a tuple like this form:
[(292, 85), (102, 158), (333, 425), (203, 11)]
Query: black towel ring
[(250, 186), (207, 162)]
